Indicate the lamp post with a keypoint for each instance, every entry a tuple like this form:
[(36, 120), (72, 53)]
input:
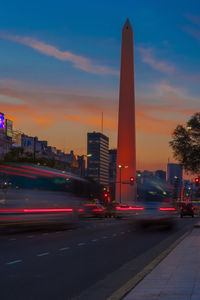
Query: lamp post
[(120, 181)]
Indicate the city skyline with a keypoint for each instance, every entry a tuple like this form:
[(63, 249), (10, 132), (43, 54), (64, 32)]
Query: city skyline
[(58, 75)]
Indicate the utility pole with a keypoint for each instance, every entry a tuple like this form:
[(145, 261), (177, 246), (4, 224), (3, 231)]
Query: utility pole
[(120, 187), (120, 181)]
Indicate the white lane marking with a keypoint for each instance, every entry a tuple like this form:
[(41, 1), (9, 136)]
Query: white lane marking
[(43, 254), (104, 237), (122, 232), (81, 244), (114, 234), (95, 240), (46, 233), (65, 248), (14, 262), (12, 239), (30, 236)]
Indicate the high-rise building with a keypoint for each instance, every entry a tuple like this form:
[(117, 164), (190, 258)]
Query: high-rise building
[(98, 157), (174, 178), (126, 148), (174, 174)]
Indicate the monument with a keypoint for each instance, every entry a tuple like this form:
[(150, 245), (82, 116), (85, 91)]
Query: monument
[(126, 148)]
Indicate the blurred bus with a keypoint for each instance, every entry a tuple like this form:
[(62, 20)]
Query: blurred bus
[(32, 194)]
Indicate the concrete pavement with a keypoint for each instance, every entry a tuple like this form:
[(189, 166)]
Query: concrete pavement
[(177, 277)]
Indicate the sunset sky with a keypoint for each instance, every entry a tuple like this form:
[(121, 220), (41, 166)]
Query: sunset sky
[(60, 63)]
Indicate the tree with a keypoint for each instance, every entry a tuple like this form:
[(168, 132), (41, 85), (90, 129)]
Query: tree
[(15, 154), (186, 144)]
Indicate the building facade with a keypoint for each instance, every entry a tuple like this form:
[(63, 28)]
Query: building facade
[(5, 140), (174, 174), (17, 138), (5, 144), (98, 157), (160, 174), (28, 143), (174, 178), (81, 165)]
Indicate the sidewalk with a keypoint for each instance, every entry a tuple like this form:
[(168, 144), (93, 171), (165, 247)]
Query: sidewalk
[(177, 277)]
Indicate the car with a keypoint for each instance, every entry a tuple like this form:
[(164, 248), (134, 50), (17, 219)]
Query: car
[(125, 210), (110, 209), (156, 213), (186, 209), (92, 210)]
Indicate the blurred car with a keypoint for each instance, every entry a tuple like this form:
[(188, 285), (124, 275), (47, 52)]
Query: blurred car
[(156, 213), (125, 211), (187, 209), (92, 210), (196, 208), (110, 209)]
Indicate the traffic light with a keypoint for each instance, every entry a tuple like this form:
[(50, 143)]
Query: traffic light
[(132, 179), (197, 181), (106, 196)]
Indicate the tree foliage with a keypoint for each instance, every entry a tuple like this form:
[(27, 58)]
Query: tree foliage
[(185, 144), (15, 154)]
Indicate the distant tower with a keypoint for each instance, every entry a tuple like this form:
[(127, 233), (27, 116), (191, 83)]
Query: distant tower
[(126, 150)]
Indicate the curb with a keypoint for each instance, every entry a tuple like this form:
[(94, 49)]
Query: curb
[(197, 225), (128, 286)]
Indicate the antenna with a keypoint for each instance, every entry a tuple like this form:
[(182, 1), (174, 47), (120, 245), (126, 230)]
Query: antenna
[(102, 122)]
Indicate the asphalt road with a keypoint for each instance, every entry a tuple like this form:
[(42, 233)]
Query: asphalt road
[(83, 263)]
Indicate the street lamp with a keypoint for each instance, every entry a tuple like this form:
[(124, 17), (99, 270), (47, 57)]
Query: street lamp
[(120, 180)]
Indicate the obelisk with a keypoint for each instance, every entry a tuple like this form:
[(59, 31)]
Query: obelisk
[(126, 148)]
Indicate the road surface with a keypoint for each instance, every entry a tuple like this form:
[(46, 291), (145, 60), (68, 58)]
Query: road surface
[(81, 263)]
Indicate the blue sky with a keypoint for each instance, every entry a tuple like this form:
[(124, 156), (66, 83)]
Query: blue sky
[(60, 62)]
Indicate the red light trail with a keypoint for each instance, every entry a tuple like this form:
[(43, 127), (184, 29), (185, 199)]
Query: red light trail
[(37, 210)]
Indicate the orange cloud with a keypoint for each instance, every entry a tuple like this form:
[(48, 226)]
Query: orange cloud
[(64, 118), (151, 125), (109, 123), (45, 108)]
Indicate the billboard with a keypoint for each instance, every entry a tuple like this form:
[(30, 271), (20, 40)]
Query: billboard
[(9, 128), (1, 120)]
